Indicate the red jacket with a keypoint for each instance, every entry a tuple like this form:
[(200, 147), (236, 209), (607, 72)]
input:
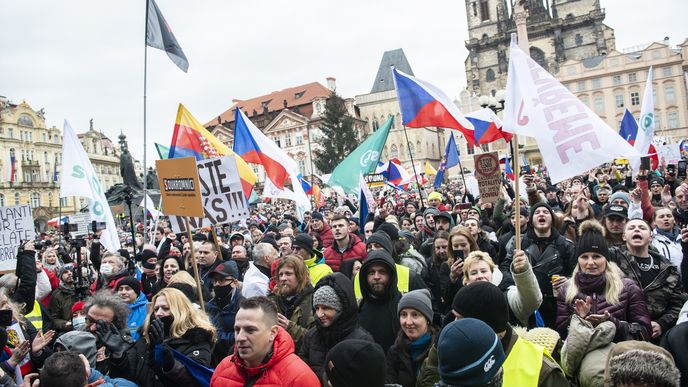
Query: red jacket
[(283, 369), (356, 249), (326, 236)]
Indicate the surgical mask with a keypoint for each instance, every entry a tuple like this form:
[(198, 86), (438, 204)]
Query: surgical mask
[(106, 269), (78, 323)]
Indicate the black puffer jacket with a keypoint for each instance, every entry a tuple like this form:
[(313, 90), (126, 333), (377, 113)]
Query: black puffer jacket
[(319, 340), (136, 366)]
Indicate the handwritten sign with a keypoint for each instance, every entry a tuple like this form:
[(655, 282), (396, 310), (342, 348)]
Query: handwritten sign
[(221, 194), (16, 226), (179, 186), (488, 174)]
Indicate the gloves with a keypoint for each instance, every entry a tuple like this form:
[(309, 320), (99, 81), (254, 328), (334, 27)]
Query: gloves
[(155, 333), (110, 337), (167, 359)]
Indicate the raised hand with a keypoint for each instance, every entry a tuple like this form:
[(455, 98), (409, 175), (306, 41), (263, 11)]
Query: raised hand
[(110, 336), (41, 340), (583, 307)]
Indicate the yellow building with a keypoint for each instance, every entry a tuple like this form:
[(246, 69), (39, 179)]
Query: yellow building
[(37, 151)]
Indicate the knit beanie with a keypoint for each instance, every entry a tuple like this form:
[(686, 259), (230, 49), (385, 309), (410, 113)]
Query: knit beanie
[(435, 195), (382, 239), (430, 210), (591, 239), (391, 230), (620, 195), (419, 300), (78, 306), (64, 268), (469, 353), (484, 301), (358, 363), (132, 282), (326, 295)]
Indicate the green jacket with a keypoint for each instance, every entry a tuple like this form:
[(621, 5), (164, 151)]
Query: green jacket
[(301, 319)]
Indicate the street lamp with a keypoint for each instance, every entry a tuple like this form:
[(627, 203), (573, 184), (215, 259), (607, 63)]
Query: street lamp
[(495, 103)]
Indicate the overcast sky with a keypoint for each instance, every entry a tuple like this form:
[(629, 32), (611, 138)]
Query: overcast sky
[(82, 59)]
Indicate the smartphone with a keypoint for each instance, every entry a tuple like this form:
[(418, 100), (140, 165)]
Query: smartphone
[(645, 163), (458, 254), (682, 168), (5, 317), (527, 170)]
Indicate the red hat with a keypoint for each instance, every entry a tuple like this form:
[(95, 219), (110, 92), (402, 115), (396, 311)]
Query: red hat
[(78, 306)]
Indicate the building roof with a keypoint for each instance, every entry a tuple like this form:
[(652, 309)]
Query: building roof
[(384, 80), (593, 61), (295, 96)]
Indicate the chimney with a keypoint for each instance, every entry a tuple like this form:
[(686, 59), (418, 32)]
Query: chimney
[(666, 41), (331, 83)]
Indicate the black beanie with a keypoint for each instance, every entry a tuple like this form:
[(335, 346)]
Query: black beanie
[(591, 239), (538, 205), (483, 301), (357, 363), (382, 239), (391, 230), (132, 282)]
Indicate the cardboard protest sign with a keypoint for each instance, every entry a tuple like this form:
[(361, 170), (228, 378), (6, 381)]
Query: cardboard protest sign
[(489, 176), (82, 221), (221, 192), (669, 154), (16, 226), (179, 187)]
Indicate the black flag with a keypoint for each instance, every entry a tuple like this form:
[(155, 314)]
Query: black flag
[(159, 35)]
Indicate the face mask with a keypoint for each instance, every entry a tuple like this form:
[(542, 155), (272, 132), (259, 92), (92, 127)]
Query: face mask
[(78, 323), (222, 291), (167, 324), (106, 269)]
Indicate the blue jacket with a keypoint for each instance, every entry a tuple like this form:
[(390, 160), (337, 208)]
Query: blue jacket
[(109, 382), (223, 320), (137, 316)]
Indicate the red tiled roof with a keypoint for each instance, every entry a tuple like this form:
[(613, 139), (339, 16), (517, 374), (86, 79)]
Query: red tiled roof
[(295, 96)]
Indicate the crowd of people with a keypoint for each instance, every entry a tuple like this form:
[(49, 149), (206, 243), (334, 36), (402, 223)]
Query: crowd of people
[(430, 289)]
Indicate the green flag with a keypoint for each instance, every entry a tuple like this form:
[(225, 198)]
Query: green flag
[(362, 161), (163, 151)]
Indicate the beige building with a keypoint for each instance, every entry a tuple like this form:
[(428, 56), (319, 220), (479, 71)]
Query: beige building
[(424, 144), (37, 149)]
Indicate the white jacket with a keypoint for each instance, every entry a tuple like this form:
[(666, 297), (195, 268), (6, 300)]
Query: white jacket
[(255, 282), (672, 250)]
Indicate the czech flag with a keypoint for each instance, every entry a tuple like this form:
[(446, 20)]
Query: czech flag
[(507, 168), (57, 221), (190, 138), (307, 187), (252, 145), (488, 127), (393, 172), (12, 169), (629, 132), (423, 105)]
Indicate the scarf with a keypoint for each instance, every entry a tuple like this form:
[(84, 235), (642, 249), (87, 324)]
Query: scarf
[(591, 283), (417, 348), (672, 235)]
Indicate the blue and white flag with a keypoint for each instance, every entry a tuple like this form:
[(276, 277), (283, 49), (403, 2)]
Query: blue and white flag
[(365, 201)]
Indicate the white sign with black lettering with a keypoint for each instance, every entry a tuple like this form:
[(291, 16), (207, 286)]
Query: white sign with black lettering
[(16, 226), (221, 193), (82, 221)]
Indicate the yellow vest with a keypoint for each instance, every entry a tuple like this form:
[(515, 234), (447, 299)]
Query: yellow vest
[(35, 316), (403, 281), (522, 366), (316, 270)]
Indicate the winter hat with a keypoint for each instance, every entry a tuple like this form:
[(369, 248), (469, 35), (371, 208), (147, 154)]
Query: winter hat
[(147, 254), (444, 215), (357, 363), (132, 282), (640, 366), (419, 300), (80, 342), (435, 195), (484, 301), (326, 295), (78, 306), (391, 230), (620, 195), (317, 215), (591, 239), (269, 240), (305, 242), (538, 205), (656, 180), (469, 353), (430, 210), (64, 268), (382, 239)]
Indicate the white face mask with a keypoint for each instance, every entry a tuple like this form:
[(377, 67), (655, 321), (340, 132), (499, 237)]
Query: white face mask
[(78, 323), (106, 269)]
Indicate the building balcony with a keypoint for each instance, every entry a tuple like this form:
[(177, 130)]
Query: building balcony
[(29, 163), (29, 185)]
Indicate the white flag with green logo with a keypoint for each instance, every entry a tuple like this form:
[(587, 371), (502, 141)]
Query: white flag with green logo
[(362, 161), (646, 125), (79, 179)]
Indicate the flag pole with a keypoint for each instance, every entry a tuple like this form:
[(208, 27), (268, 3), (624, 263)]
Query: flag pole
[(145, 168), (413, 164), (310, 152)]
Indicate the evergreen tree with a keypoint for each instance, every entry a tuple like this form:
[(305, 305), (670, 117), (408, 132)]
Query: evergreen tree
[(338, 139)]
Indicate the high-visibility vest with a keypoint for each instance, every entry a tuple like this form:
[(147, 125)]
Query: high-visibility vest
[(403, 281), (522, 366), (35, 316)]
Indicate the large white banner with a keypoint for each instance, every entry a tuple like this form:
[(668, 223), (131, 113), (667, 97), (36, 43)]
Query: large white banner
[(78, 178), (571, 138)]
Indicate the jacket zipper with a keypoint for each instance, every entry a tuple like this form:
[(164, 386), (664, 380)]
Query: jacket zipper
[(594, 303)]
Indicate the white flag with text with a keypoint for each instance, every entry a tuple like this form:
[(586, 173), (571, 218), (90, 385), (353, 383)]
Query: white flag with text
[(571, 138)]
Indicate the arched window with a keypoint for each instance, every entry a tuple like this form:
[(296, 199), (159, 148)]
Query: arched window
[(375, 124), (2, 200), (538, 56), (393, 152), (35, 200), (25, 120), (16, 198), (579, 39), (484, 38), (490, 75)]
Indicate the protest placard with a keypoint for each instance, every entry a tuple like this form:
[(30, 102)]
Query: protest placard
[(82, 221), (221, 192), (489, 176), (669, 154), (179, 187), (16, 226)]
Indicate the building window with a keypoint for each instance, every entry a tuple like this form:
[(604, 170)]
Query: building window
[(596, 83), (635, 98), (392, 119), (485, 147), (658, 122), (619, 100), (376, 125), (25, 120), (632, 77), (45, 157), (2, 200), (10, 133), (393, 152), (50, 199), (539, 57), (581, 85), (470, 149), (277, 141), (43, 137), (579, 39), (16, 198), (299, 139), (63, 202), (667, 71), (672, 120), (599, 104), (287, 139), (490, 75), (484, 10), (616, 80), (670, 94), (302, 167), (585, 100)]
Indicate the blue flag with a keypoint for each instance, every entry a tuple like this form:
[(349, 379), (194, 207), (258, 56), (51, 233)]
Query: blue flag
[(629, 127), (451, 159), (198, 371)]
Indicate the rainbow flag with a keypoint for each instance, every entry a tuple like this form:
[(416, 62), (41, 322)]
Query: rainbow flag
[(190, 138)]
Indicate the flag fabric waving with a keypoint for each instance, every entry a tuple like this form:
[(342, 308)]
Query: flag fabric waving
[(571, 138), (147, 203), (159, 35), (488, 127), (451, 159), (162, 150), (643, 140), (429, 169), (365, 200), (629, 132), (307, 187), (362, 161), (507, 167), (12, 168), (190, 138), (393, 172), (79, 179), (423, 104)]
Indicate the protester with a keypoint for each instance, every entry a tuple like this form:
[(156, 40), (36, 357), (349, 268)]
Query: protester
[(313, 258), (355, 363), (129, 290), (223, 307), (207, 258), (63, 299), (345, 246), (323, 230), (169, 266)]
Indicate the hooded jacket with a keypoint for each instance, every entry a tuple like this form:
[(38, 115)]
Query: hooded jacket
[(326, 236), (61, 307), (137, 315), (283, 368), (223, 318), (378, 313), (80, 342), (334, 258), (319, 340)]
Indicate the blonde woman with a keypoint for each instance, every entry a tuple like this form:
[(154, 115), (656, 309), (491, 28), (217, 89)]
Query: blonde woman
[(597, 290), (172, 323), (521, 290)]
